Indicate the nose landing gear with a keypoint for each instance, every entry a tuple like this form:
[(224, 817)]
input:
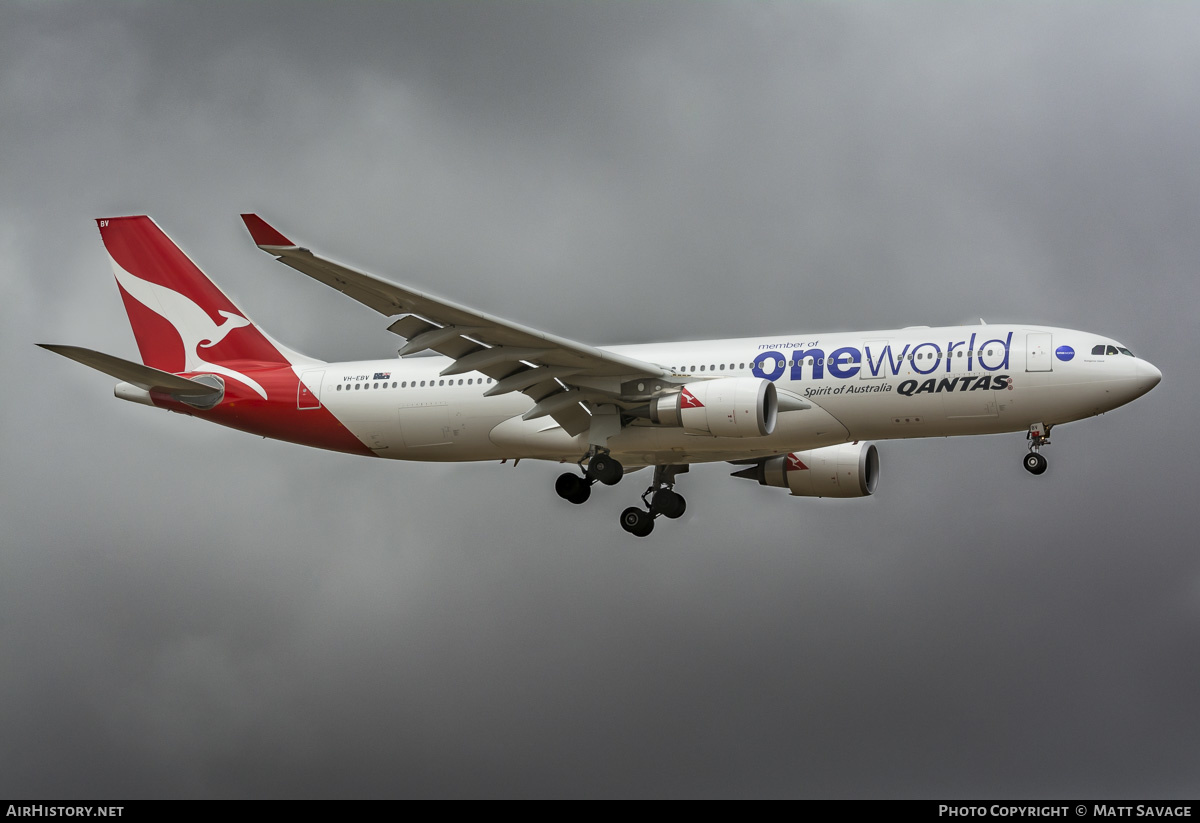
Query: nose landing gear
[(1035, 463), (1038, 436)]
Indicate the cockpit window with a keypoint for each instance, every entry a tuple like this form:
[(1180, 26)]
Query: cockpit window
[(1102, 348)]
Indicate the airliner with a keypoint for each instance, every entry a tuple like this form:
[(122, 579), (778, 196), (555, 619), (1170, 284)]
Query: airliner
[(793, 411)]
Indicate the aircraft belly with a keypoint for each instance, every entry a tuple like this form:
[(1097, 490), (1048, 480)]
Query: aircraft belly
[(886, 415), (1049, 402), (540, 438), (443, 432)]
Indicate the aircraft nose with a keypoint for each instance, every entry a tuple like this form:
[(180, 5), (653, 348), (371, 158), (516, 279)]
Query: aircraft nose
[(1148, 376)]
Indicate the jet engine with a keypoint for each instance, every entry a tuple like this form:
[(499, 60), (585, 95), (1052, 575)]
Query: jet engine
[(725, 407), (845, 470)]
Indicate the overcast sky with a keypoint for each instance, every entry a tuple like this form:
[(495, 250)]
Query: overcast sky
[(187, 610)]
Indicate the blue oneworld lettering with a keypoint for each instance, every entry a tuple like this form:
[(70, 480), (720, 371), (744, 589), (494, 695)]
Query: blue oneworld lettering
[(885, 360)]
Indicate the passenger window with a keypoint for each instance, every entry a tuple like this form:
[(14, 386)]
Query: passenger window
[(701, 368)]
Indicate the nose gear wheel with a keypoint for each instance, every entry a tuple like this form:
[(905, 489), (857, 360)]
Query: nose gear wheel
[(1038, 436)]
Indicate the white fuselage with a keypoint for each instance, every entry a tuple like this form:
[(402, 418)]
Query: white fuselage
[(913, 382)]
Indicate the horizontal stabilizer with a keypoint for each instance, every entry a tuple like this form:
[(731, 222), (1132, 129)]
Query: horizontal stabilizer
[(141, 376)]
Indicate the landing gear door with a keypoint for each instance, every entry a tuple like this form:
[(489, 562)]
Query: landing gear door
[(1038, 351)]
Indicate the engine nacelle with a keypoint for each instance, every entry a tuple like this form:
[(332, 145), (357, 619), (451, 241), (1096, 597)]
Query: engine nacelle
[(845, 470), (725, 407)]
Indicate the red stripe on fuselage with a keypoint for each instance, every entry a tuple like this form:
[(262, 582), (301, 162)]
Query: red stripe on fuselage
[(276, 417)]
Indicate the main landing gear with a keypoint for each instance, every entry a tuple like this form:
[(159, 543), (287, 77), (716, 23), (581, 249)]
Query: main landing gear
[(1038, 436), (602, 466), (660, 499), (573, 488)]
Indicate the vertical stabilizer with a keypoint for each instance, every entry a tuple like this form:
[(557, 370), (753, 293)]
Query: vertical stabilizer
[(182, 322)]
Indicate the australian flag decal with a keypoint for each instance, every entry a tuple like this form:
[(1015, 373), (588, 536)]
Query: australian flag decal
[(382, 375)]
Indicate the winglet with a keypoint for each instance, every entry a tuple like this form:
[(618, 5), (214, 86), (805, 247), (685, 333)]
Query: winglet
[(263, 233)]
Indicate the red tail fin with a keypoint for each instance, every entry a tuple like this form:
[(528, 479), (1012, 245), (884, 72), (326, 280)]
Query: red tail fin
[(182, 321)]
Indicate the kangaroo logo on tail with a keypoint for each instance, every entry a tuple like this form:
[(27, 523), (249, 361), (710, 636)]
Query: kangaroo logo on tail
[(193, 324)]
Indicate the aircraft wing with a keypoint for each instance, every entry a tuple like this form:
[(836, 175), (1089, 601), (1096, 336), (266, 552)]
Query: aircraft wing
[(557, 373)]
